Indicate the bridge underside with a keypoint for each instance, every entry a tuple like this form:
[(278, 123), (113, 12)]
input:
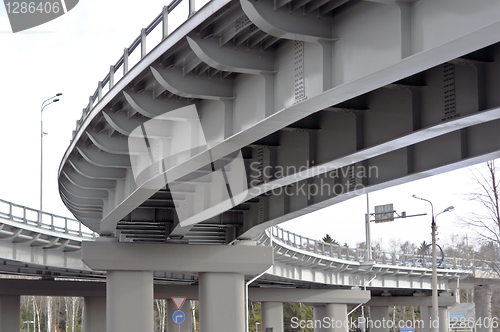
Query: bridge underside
[(325, 100)]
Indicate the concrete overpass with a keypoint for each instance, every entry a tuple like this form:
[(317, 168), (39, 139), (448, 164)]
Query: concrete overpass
[(305, 270), (320, 89)]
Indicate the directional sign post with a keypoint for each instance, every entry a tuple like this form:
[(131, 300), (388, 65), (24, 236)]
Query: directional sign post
[(178, 316), (178, 301)]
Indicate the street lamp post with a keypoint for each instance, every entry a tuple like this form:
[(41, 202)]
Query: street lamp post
[(44, 104), (257, 326), (434, 312), (28, 323)]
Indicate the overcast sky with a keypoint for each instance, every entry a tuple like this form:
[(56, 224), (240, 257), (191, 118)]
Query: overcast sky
[(72, 53)]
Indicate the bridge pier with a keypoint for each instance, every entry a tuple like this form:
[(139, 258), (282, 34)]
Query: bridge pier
[(222, 302), (272, 316), (94, 319), (10, 313), (319, 313), (443, 319), (482, 300), (338, 314), (129, 301), (425, 317), (221, 271), (381, 305), (379, 317)]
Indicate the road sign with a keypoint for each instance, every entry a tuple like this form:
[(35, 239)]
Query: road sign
[(178, 301), (406, 329), (178, 317), (384, 213)]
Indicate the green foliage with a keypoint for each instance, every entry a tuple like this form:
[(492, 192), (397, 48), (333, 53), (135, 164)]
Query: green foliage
[(328, 239), (255, 315), (299, 310)]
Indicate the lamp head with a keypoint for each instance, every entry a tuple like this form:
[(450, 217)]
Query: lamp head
[(449, 209), (58, 94), (55, 100)]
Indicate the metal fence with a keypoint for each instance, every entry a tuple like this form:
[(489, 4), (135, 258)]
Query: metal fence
[(379, 257), (123, 63), (32, 217)]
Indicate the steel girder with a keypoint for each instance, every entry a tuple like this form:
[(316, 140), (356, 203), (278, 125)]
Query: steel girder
[(407, 88)]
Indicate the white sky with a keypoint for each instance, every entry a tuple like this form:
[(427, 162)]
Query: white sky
[(72, 53)]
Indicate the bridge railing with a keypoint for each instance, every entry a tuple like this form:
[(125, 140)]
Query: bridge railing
[(106, 84), (379, 257), (32, 217)]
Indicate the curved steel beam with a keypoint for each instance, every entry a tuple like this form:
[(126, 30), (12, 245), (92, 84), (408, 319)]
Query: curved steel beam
[(78, 192), (29, 241), (85, 183), (56, 245), (231, 59), (81, 208), (90, 171), (13, 236), (121, 122), (174, 81), (150, 107), (50, 243), (103, 159), (293, 26), (113, 145)]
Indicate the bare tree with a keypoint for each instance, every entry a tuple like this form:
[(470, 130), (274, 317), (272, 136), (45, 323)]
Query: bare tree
[(486, 222), (161, 309)]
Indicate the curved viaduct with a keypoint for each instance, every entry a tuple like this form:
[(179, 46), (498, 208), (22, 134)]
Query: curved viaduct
[(188, 148), (37, 244)]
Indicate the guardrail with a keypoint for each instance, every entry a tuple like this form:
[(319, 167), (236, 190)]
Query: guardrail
[(32, 217), (123, 62), (379, 257)]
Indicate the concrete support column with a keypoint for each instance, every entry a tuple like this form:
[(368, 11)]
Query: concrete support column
[(443, 319), (10, 313), (94, 318), (186, 325), (425, 317), (379, 317), (319, 313), (222, 302), (129, 305), (482, 300), (272, 316), (337, 313)]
